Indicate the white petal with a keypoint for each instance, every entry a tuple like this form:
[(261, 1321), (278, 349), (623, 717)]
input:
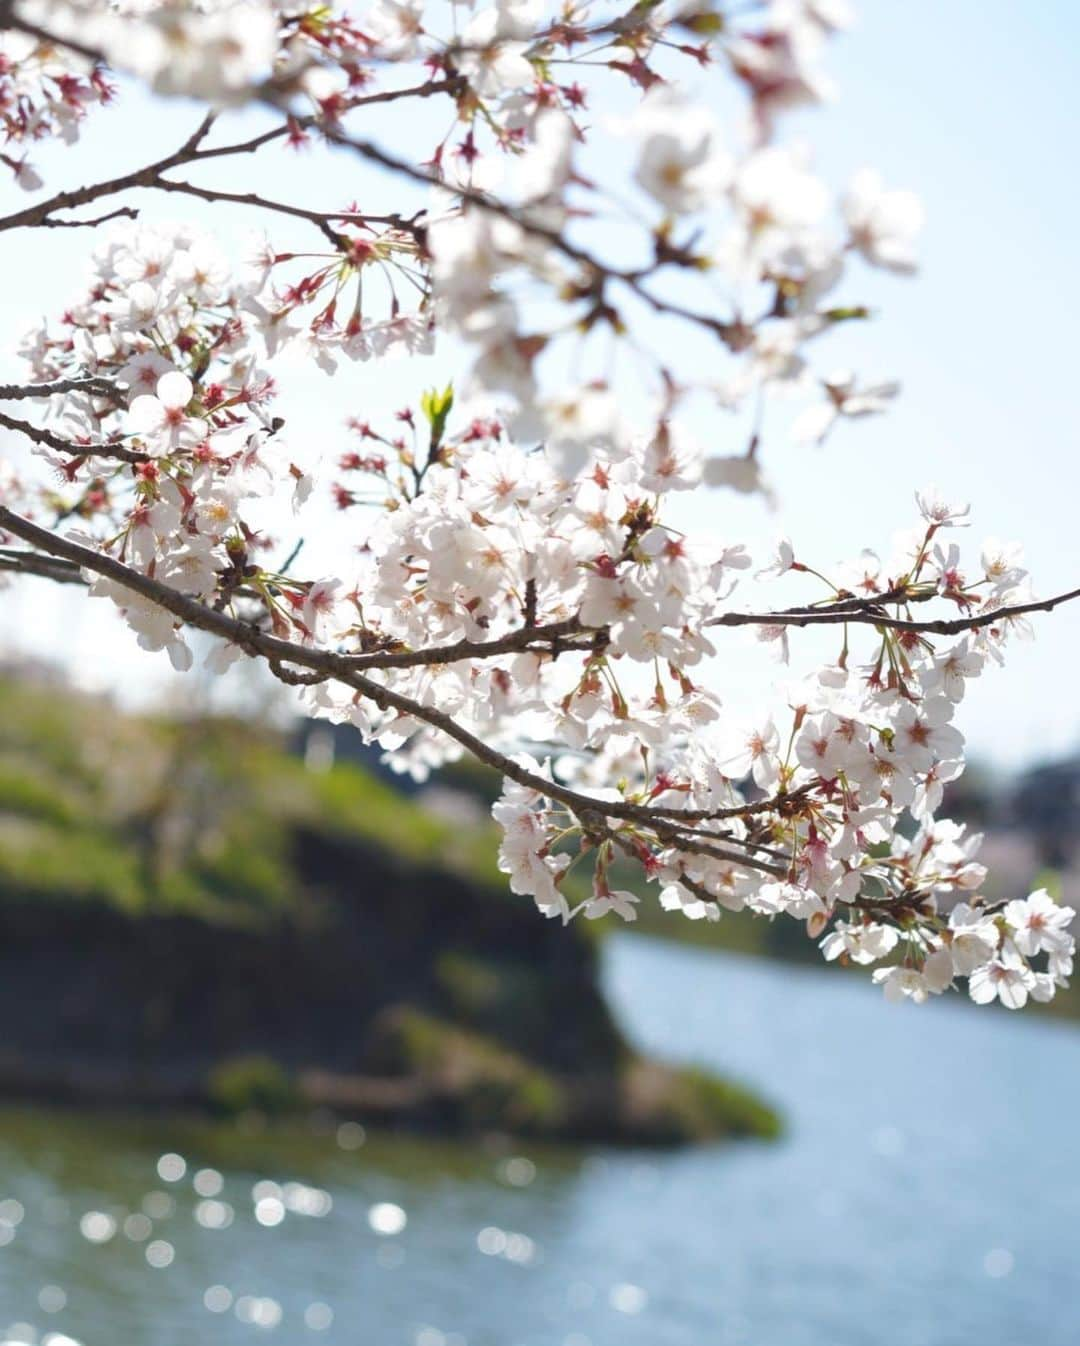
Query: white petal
[(174, 389)]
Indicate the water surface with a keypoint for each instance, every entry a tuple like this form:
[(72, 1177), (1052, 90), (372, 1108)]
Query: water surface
[(927, 1194)]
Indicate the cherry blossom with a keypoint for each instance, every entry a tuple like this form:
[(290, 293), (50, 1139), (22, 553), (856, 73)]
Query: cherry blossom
[(843, 398), (681, 164), (161, 419), (1006, 978), (1039, 924), (884, 223), (519, 584)]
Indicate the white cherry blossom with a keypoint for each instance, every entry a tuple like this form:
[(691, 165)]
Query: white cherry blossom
[(519, 569), (884, 223), (162, 418)]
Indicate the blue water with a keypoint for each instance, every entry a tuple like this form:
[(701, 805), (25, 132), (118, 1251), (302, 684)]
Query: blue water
[(927, 1194)]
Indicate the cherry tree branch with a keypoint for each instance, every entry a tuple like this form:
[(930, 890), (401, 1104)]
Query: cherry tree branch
[(321, 218), (342, 668), (731, 333), (18, 561), (11, 392), (868, 616), (596, 827), (9, 19), (47, 439), (866, 611), (120, 213), (192, 152), (37, 215), (351, 669)]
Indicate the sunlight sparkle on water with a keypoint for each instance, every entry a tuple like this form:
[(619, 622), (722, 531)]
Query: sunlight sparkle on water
[(495, 1242), (215, 1214), (351, 1135), (52, 1298), (318, 1316), (270, 1211), (387, 1219), (998, 1262), (158, 1205), (218, 1298), (627, 1298), (517, 1171), (160, 1254), (11, 1212), (304, 1200), (208, 1182), (259, 1311), (138, 1227), (97, 1227), (171, 1167)]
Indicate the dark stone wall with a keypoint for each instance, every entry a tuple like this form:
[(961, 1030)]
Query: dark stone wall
[(85, 984)]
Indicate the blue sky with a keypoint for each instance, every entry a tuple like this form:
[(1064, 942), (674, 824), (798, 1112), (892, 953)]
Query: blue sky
[(976, 106)]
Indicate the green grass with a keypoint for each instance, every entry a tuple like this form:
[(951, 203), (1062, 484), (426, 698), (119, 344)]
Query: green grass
[(40, 859), (146, 814)]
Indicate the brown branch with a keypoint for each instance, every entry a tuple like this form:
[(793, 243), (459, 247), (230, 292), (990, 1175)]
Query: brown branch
[(9, 19), (192, 152), (49, 440), (679, 843), (150, 177), (295, 679), (39, 215), (120, 213), (17, 561), (11, 392), (599, 272), (332, 665), (320, 218), (698, 889), (727, 839), (550, 639), (305, 123), (949, 627)]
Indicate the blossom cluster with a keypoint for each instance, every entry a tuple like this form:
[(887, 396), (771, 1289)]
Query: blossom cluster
[(521, 588), (44, 92), (807, 811), (769, 246), (170, 377), (515, 254)]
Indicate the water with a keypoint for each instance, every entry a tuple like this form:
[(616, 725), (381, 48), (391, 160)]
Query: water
[(927, 1195)]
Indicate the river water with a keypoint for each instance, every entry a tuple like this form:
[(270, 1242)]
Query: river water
[(927, 1194)]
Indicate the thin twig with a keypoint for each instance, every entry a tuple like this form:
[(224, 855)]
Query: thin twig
[(598, 271), (190, 152), (948, 627), (120, 213), (320, 218)]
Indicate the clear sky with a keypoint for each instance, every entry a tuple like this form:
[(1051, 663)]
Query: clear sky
[(975, 104)]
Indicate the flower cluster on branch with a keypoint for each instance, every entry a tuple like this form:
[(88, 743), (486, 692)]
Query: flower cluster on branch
[(521, 589)]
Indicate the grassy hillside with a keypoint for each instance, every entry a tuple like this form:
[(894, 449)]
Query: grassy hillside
[(147, 814), (190, 915)]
